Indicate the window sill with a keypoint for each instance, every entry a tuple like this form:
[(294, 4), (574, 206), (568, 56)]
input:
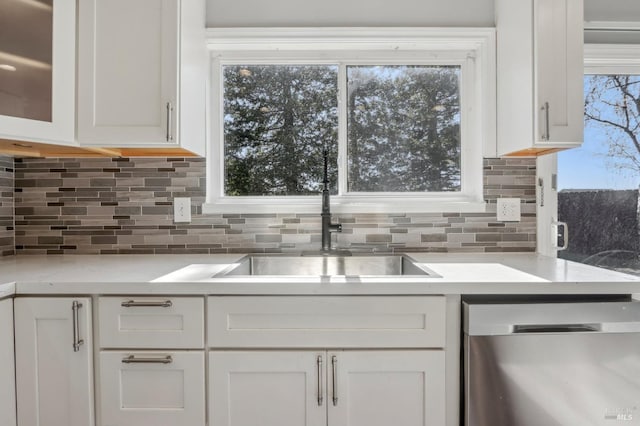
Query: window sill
[(343, 205)]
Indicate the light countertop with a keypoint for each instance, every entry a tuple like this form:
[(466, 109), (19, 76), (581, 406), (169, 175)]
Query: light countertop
[(500, 273)]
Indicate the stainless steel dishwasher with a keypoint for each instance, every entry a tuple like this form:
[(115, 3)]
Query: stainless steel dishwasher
[(552, 364)]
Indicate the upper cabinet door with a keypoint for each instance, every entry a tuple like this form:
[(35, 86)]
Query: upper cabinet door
[(559, 70), (127, 70), (540, 75), (142, 70), (37, 70)]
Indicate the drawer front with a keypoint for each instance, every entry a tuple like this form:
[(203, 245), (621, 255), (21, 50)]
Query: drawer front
[(321, 322), (152, 388), (145, 322)]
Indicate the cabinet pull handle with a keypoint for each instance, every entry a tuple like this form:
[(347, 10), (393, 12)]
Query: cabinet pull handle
[(334, 368), (546, 136), (319, 365), (131, 359), (147, 304), (169, 119), (77, 341)]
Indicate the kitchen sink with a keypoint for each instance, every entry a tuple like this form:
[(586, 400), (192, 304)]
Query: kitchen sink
[(363, 265)]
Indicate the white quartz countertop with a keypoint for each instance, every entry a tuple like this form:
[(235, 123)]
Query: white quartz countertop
[(500, 273)]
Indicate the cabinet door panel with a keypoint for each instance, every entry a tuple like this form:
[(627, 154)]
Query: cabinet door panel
[(178, 324), (381, 388), (275, 388), (558, 33), (327, 321), (54, 382), (37, 98), (7, 369), (152, 394), (128, 64)]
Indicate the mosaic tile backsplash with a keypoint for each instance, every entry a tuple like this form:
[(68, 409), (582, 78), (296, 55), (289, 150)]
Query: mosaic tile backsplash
[(7, 241), (124, 206)]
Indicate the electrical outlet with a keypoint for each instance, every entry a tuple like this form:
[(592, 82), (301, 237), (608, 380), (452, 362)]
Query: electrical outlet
[(182, 209), (508, 209)]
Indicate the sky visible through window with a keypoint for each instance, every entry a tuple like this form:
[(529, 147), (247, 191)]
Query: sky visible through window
[(591, 166)]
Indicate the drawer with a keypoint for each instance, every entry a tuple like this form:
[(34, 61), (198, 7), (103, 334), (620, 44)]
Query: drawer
[(151, 322), (326, 322), (152, 388)]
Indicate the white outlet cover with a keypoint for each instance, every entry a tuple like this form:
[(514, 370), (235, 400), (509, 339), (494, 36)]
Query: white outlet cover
[(508, 209), (182, 210)]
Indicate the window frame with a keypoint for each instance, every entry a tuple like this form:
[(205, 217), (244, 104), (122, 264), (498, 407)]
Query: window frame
[(599, 58), (473, 49)]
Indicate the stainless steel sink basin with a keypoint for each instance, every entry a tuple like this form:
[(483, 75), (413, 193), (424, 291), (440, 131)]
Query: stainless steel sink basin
[(285, 265)]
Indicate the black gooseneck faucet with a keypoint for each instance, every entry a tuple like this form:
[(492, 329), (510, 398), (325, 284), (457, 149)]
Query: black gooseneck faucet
[(327, 226)]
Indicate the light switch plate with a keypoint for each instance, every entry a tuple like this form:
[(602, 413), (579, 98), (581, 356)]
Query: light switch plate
[(182, 210), (508, 209)]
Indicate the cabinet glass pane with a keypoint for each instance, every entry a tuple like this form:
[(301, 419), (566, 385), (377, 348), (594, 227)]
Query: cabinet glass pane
[(26, 35)]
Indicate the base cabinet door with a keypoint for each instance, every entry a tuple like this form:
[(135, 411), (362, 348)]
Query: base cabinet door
[(152, 388), (7, 366), (340, 388), (274, 388), (382, 388), (54, 368)]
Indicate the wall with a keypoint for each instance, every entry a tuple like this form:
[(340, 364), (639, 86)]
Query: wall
[(352, 13), (7, 242), (383, 13), (125, 206)]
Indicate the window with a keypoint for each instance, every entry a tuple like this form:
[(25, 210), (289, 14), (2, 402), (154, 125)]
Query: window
[(599, 183), (403, 116)]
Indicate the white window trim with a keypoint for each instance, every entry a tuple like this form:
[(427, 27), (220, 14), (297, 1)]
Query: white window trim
[(471, 48), (611, 59), (598, 59)]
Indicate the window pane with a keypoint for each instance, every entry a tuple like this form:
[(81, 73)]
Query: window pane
[(403, 128), (278, 119), (599, 181)]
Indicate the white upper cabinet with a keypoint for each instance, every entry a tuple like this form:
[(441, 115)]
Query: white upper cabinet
[(37, 70), (540, 75), (142, 74)]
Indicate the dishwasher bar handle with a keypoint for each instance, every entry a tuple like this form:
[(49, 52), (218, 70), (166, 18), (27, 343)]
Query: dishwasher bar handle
[(556, 328)]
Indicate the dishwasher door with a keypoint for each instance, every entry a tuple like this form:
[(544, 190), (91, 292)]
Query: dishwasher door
[(555, 364)]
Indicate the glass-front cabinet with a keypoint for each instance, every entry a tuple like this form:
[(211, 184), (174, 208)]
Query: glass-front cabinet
[(37, 70)]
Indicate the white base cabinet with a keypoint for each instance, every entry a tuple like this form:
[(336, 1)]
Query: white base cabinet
[(335, 388), (278, 388), (54, 361), (152, 388), (7, 365), (146, 377)]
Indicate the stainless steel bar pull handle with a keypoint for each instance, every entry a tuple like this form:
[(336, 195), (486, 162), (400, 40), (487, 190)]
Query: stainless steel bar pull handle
[(556, 328), (169, 121), (546, 135), (147, 304), (77, 341), (334, 368), (132, 359), (319, 366)]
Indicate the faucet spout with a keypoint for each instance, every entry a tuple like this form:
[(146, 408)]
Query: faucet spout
[(327, 226)]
